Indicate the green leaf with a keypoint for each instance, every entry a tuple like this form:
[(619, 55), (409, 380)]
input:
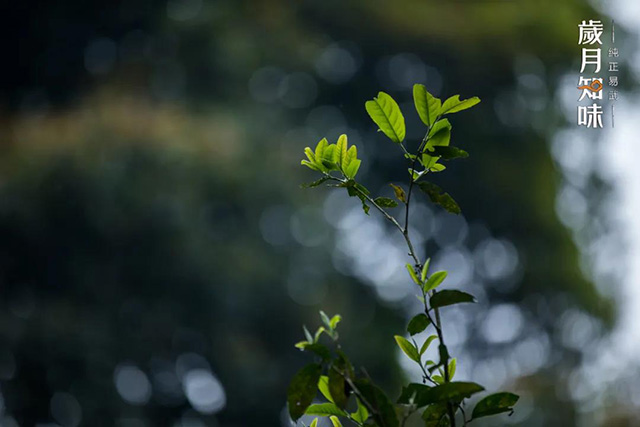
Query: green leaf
[(337, 384), (438, 378), (352, 170), (385, 202), (334, 321), (330, 166), (352, 154), (323, 386), (439, 135), (325, 410), (435, 280), (438, 197), (384, 111), (319, 332), (450, 297), (408, 348), (331, 154), (315, 183), (319, 154), (335, 421), (413, 275), (427, 343), (455, 390), (437, 167), (411, 392), (310, 165), (362, 414), (385, 414), (495, 404), (314, 423), (302, 389), (444, 354), (427, 105), (325, 319), (341, 149), (434, 414), (319, 349), (418, 324), (399, 192), (448, 152), (308, 335), (357, 190), (453, 104), (425, 269), (452, 368)]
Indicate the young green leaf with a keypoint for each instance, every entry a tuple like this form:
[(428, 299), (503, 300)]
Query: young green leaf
[(319, 332), (452, 368), (352, 154), (352, 169), (418, 324), (495, 404), (323, 386), (385, 202), (426, 345), (439, 135), (341, 149), (453, 104), (325, 319), (335, 421), (308, 335), (331, 154), (434, 281), (334, 321), (362, 414), (450, 297), (310, 166), (438, 379), (425, 269), (427, 105), (399, 192), (325, 410), (408, 348), (319, 153), (314, 423), (413, 275), (302, 390), (384, 111)]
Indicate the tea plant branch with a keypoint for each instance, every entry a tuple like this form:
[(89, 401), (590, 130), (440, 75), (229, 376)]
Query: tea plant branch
[(443, 397), (386, 214)]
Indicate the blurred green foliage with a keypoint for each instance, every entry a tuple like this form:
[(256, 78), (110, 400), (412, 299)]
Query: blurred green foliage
[(132, 195)]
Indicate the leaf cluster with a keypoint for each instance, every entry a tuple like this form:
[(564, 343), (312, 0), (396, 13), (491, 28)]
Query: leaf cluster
[(353, 397)]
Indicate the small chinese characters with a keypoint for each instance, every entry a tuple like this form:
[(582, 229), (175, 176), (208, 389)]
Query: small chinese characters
[(613, 69)]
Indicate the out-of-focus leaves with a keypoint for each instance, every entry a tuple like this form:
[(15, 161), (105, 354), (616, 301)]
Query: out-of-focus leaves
[(495, 404), (302, 389)]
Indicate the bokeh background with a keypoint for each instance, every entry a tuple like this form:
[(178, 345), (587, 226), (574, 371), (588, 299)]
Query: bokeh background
[(158, 257)]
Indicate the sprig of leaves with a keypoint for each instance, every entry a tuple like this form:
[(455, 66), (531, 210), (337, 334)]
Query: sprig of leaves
[(356, 398)]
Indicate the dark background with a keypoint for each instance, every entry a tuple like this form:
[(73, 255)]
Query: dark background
[(158, 258)]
